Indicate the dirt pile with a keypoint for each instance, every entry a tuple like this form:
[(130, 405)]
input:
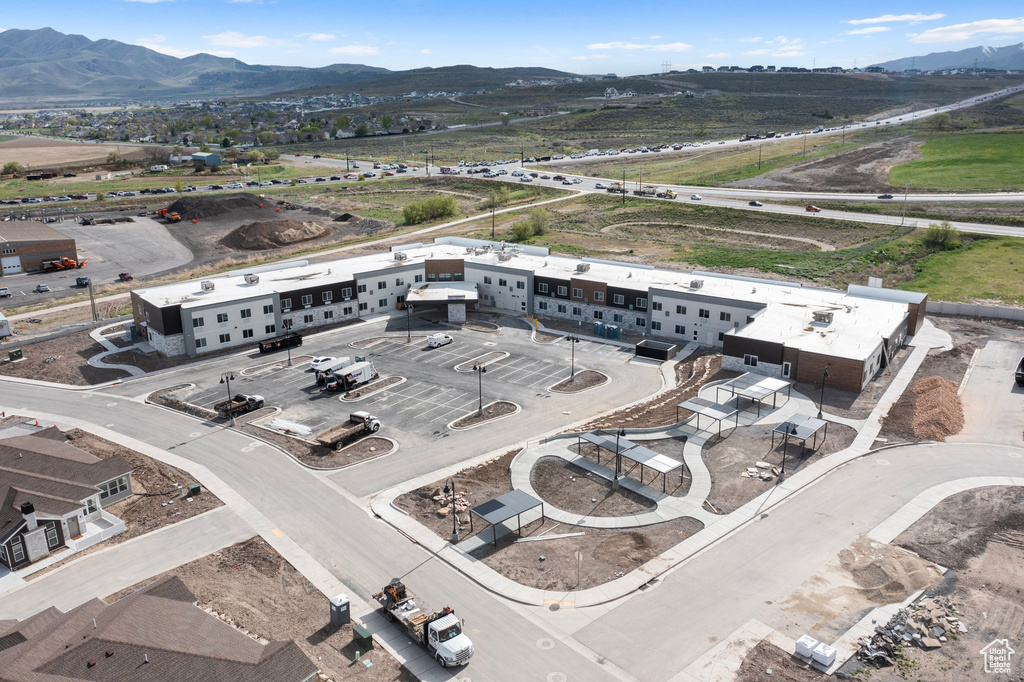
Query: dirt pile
[(271, 234), (199, 207), (887, 574), (938, 413)]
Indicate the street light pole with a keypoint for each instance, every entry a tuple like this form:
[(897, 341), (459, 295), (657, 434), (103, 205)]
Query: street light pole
[(408, 322), (226, 378), (455, 520), (821, 399), (618, 459), (480, 369), (573, 339)]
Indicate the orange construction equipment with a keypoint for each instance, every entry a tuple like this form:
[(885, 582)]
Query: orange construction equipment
[(169, 215), (63, 263)]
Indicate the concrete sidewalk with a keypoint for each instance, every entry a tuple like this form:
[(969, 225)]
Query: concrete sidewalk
[(119, 566)]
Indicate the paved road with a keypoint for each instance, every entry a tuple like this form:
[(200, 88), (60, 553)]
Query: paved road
[(112, 569), (993, 402), (752, 572)]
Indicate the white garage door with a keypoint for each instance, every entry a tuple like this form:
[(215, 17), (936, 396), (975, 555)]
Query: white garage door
[(11, 265)]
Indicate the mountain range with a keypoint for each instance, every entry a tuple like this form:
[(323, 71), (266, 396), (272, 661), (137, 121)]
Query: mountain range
[(1010, 58), (46, 65)]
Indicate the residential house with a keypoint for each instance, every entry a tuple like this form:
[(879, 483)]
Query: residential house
[(53, 496)]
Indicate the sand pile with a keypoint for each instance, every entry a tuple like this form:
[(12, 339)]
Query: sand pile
[(271, 234), (938, 412), (886, 574), (199, 207)]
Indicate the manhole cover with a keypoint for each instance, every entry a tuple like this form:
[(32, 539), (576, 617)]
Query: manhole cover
[(557, 677), (545, 643), (882, 462)]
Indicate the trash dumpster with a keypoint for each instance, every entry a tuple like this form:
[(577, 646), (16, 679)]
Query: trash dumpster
[(339, 610)]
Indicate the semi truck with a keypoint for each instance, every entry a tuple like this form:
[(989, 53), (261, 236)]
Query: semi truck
[(646, 191), (440, 632), (347, 378), (5, 327), (615, 188), (240, 404), (358, 423)]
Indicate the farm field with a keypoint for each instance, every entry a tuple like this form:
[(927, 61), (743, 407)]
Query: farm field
[(966, 162), (989, 269), (34, 152)]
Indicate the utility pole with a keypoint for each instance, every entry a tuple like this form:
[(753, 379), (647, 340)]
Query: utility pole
[(906, 191), (92, 303), (623, 186), (759, 157)]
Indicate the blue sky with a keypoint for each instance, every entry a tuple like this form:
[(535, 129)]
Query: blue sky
[(583, 37)]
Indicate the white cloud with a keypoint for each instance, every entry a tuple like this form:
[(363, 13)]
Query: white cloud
[(755, 39), (424, 51), (945, 34), (761, 51), (654, 37), (789, 53), (358, 50), (716, 55), (867, 31), (155, 43), (236, 39), (320, 37), (618, 45), (889, 18)]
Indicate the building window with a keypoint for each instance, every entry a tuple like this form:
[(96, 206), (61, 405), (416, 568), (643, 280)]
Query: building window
[(307, 318), (618, 317), (197, 322), (362, 307), (641, 321), (17, 550), (598, 314), (725, 317), (361, 289), (656, 305), (786, 369), (418, 278), (444, 277), (721, 336), (619, 299), (247, 333), (382, 303), (750, 360), (705, 314), (577, 311), (680, 329), (431, 277), (286, 304), (561, 308), (543, 305), (113, 487), (307, 299), (502, 282), (328, 314), (520, 285), (327, 296), (577, 293), (458, 277), (90, 506), (655, 326), (222, 317), (200, 343), (641, 303), (270, 329), (487, 280), (542, 288), (681, 310), (562, 291), (383, 284), (247, 313), (51, 535), (346, 292), (268, 309), (599, 296), (399, 282), (347, 310), (225, 338), (10, 252)]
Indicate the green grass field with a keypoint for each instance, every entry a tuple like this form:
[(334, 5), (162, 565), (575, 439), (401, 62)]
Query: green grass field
[(987, 269), (965, 162), (6, 138)]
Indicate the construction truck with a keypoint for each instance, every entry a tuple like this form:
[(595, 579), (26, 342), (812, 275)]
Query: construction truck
[(347, 378), (646, 191), (240, 404), (169, 215), (441, 632), (615, 188), (63, 263), (666, 194), (1018, 374), (338, 435)]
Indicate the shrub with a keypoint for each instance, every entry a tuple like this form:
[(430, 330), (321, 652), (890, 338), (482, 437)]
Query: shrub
[(429, 209), (942, 235)]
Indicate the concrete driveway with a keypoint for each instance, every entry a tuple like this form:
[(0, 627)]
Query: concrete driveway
[(993, 402)]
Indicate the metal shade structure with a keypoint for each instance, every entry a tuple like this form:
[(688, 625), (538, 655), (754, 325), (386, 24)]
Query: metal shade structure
[(707, 408), (756, 388), (630, 450), (503, 508), (800, 427)]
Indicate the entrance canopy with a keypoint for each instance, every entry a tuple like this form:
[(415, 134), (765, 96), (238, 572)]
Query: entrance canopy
[(442, 293), (503, 508)]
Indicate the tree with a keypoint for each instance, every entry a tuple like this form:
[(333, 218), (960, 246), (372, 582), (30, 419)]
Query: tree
[(941, 121), (225, 143), (505, 119), (294, 183), (254, 156), (100, 196), (272, 154), (11, 168), (342, 122), (362, 130), (386, 121), (942, 235), (177, 186), (539, 221), (204, 148), (214, 168)]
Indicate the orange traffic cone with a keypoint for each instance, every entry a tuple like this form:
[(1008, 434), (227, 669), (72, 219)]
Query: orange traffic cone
[(37, 422), (194, 221), (278, 210), (261, 205)]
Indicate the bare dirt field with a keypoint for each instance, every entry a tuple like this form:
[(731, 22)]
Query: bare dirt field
[(63, 360), (855, 405), (253, 588), (574, 489), (977, 533), (784, 666), (727, 458), (677, 483), (34, 152)]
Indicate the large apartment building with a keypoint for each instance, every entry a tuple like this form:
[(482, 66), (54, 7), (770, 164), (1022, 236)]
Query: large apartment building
[(776, 328)]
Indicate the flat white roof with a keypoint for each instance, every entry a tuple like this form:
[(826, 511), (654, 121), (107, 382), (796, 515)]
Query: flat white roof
[(446, 292)]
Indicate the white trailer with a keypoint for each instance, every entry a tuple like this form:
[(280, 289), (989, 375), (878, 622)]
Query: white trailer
[(5, 327)]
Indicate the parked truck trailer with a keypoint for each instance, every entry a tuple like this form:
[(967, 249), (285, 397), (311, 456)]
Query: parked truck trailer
[(440, 632)]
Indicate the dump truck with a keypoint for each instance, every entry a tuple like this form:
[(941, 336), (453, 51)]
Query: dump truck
[(278, 342), (646, 191), (240, 404), (63, 263), (440, 632), (169, 215), (614, 188), (358, 423), (347, 378)]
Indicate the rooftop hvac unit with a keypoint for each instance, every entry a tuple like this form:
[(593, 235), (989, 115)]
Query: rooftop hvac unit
[(207, 285), (401, 255), (696, 283), (823, 317), (470, 249), (583, 267), (503, 257), (252, 279)]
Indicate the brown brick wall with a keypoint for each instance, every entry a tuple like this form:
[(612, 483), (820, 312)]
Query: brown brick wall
[(441, 265), (589, 287), (34, 253), (843, 374)]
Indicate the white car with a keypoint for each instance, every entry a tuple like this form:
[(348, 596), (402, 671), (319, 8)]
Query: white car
[(438, 340), (322, 363), (234, 185), (695, 197), (599, 186)]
